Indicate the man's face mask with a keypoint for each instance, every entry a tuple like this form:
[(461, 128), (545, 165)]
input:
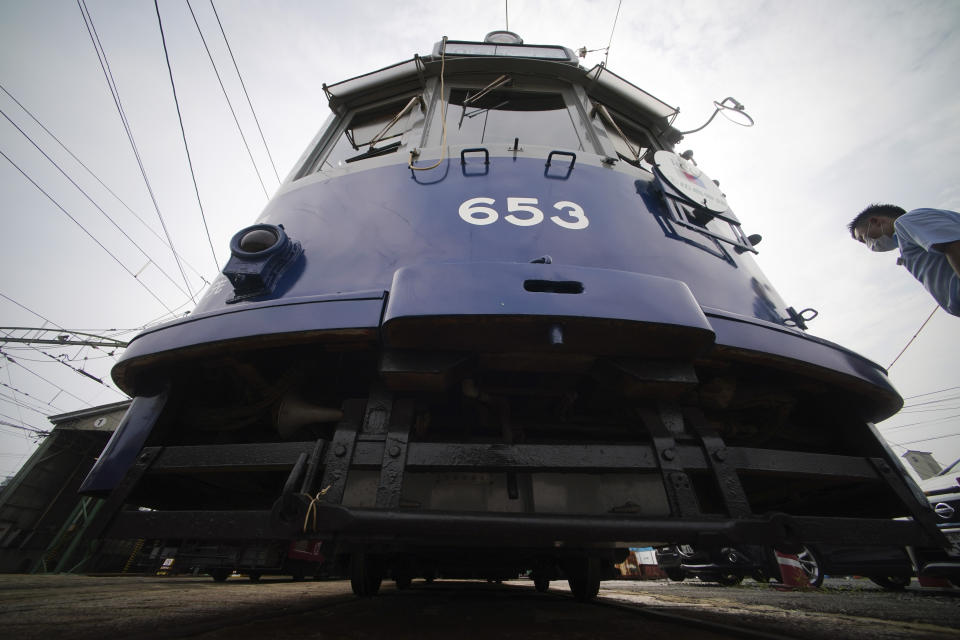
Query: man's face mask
[(883, 243)]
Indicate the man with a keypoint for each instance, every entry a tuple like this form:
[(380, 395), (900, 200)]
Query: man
[(929, 243)]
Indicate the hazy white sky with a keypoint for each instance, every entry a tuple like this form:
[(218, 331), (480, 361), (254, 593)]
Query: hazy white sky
[(855, 102)]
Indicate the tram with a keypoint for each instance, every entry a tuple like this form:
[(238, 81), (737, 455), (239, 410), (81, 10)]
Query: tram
[(494, 322)]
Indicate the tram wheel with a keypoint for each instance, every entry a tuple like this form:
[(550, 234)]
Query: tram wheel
[(892, 583), (403, 580), (366, 575), (220, 574), (729, 579), (583, 576), (541, 583)]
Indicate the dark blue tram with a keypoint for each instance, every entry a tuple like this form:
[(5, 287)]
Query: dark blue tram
[(492, 322)]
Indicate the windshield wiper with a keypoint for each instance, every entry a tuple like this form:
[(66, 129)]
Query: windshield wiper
[(499, 82), (609, 118)]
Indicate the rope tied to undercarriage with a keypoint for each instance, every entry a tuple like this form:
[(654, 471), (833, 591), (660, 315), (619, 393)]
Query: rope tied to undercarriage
[(312, 508)]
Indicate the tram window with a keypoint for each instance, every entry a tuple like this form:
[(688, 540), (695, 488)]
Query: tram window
[(374, 126), (502, 116), (631, 142)]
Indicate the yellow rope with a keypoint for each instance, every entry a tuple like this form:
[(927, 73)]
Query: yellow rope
[(312, 508), (443, 116)]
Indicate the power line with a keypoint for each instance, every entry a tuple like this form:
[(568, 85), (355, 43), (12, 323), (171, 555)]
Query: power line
[(920, 395), (183, 132), (922, 404), (63, 338), (24, 393), (91, 200), (65, 358), (97, 178), (20, 404), (115, 93), (910, 342), (913, 424), (64, 363), (612, 29), (927, 410), (23, 423), (45, 319), (949, 435), (227, 98), (247, 95), (52, 384), (92, 237), (33, 430)]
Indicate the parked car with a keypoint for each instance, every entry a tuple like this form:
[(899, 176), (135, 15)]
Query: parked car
[(888, 567), (943, 492)]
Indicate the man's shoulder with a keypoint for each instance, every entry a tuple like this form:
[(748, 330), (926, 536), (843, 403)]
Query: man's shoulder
[(926, 213), (926, 227)]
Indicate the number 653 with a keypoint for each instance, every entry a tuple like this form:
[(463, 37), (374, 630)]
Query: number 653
[(523, 212)]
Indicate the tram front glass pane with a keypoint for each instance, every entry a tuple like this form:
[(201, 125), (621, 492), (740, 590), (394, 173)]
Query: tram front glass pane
[(363, 127), (502, 116)]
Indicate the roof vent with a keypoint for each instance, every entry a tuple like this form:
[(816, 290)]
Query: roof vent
[(503, 37)]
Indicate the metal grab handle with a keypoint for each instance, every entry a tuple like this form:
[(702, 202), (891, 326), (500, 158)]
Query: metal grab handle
[(486, 155), (573, 157)]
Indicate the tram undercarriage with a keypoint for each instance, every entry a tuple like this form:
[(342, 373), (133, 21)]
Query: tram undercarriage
[(408, 462)]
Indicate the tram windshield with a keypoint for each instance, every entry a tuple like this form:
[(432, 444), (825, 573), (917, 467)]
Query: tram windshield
[(534, 118), (372, 132)]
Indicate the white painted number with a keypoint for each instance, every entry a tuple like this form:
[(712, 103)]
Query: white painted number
[(576, 212), (523, 204), (472, 211), (475, 212)]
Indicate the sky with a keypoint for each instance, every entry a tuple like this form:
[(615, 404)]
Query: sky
[(855, 102)]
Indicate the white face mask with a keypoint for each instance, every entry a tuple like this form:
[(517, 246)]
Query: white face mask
[(883, 243)]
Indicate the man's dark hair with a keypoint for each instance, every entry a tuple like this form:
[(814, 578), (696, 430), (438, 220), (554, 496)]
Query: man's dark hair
[(888, 210)]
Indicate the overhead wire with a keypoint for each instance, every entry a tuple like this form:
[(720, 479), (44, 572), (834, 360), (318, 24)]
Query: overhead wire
[(244, 86), (23, 423), (227, 98), (91, 201), (51, 383), (902, 411), (54, 358), (92, 237), (33, 430), (949, 435), (930, 393), (183, 132), (24, 393), (612, 29), (922, 404), (10, 386), (114, 92), (101, 182), (19, 403), (913, 424)]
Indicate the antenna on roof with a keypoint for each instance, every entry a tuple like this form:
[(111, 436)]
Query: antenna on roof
[(506, 11), (583, 51)]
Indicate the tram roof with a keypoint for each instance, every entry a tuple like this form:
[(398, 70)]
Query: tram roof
[(465, 57)]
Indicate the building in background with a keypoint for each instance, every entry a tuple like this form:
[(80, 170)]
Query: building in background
[(923, 463), (40, 511)]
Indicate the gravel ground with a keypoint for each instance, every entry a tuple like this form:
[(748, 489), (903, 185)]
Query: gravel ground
[(151, 608), (842, 608)]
